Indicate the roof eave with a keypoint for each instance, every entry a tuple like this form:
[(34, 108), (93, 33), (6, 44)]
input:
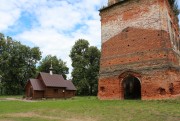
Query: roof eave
[(57, 86), (71, 89)]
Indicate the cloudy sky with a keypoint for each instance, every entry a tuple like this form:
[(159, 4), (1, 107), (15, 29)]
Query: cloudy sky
[(52, 25)]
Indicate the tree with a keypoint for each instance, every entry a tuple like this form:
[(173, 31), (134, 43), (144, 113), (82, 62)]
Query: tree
[(18, 64), (174, 6), (59, 67), (85, 63), (1, 86), (93, 69), (79, 56)]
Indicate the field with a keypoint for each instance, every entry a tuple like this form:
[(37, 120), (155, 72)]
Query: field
[(88, 109)]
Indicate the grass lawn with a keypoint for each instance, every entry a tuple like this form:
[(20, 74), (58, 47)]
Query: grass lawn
[(89, 109)]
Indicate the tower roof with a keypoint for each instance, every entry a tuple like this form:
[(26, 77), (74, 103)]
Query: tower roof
[(112, 3)]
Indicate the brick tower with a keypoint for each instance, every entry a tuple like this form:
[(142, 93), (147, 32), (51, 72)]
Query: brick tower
[(140, 50)]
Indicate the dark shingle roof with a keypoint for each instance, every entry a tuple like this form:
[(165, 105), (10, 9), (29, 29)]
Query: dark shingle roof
[(70, 85), (36, 84), (48, 80), (54, 80)]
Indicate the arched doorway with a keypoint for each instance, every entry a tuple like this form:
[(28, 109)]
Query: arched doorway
[(131, 87)]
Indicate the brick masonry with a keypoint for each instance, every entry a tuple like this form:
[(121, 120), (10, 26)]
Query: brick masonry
[(137, 40)]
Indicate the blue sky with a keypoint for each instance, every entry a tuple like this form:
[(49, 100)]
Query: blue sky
[(52, 25)]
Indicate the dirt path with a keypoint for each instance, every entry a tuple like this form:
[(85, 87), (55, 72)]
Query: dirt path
[(17, 99), (32, 114)]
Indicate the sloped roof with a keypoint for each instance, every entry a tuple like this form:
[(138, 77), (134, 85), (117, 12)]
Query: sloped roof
[(70, 85), (54, 80), (48, 80), (36, 84)]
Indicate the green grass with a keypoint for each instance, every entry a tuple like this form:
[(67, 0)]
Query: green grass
[(90, 109)]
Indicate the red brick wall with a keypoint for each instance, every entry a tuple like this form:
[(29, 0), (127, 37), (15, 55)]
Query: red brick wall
[(174, 77), (152, 85), (133, 45), (136, 38), (144, 14), (133, 13), (137, 49), (161, 79), (109, 88)]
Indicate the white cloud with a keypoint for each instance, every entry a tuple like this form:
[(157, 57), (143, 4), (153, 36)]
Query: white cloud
[(63, 17), (9, 14), (59, 23)]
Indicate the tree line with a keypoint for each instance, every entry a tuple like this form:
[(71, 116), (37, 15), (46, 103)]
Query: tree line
[(19, 62)]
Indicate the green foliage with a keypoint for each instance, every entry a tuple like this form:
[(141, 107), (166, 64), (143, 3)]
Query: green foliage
[(93, 69), (18, 64), (174, 6), (85, 63), (59, 67)]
